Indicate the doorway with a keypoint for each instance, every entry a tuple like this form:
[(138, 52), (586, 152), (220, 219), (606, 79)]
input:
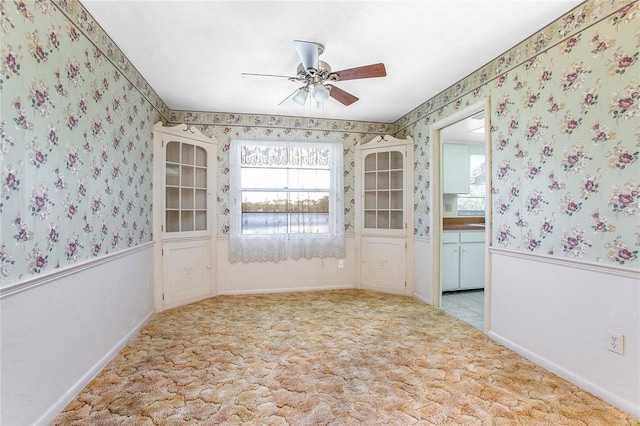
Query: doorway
[(461, 214)]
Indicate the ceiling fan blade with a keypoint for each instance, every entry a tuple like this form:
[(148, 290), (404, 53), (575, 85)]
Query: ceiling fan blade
[(340, 95), (308, 52), (367, 71), (267, 77)]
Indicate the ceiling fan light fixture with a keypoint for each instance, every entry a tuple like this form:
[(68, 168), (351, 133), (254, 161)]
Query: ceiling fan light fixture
[(320, 92), (301, 96)]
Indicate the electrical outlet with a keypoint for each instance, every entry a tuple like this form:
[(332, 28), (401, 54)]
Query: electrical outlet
[(615, 342), (340, 263)]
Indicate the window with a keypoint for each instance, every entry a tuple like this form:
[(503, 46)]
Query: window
[(474, 203), (287, 200), (285, 197)]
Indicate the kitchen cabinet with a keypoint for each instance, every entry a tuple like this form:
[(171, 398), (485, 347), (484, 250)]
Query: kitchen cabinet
[(463, 262), (456, 170), (450, 269)]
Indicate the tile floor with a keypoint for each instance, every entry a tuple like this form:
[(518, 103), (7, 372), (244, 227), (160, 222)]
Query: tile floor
[(467, 306)]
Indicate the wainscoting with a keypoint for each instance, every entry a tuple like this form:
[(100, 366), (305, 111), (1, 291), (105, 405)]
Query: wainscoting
[(284, 276), (423, 270), (558, 313), (59, 330)]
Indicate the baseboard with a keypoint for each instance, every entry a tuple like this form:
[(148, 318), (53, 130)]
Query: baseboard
[(185, 302), (56, 408), (586, 385), (285, 290), (383, 290), (421, 298)]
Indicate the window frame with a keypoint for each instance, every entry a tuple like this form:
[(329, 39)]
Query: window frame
[(460, 197), (279, 246), (289, 190)]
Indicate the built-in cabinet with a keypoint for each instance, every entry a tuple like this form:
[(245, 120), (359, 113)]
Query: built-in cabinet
[(384, 214), (184, 219), (384, 190), (463, 254), (185, 187)]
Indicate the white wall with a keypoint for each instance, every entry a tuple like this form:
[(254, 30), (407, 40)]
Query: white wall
[(288, 275), (60, 330), (423, 270), (557, 313)]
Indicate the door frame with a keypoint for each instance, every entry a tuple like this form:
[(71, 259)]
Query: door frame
[(437, 201)]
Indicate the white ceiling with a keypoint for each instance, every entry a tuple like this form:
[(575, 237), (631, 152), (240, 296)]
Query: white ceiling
[(193, 52), (470, 130)]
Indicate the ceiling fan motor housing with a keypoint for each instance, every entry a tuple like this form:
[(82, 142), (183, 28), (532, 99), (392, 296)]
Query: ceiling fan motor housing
[(322, 73)]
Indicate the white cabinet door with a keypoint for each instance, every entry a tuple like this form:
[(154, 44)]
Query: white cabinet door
[(183, 224), (462, 260), (456, 173), (187, 271), (472, 265), (383, 264), (450, 266)]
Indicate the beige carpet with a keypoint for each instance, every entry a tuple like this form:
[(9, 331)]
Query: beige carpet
[(325, 358)]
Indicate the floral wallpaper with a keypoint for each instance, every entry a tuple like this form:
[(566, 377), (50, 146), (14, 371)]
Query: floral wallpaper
[(75, 142), (565, 107), (225, 127), (77, 119)]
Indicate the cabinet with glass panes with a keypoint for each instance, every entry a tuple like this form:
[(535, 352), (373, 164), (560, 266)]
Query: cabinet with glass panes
[(384, 201), (383, 190), (186, 188)]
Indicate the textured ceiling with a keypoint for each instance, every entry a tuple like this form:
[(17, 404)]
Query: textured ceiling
[(193, 52)]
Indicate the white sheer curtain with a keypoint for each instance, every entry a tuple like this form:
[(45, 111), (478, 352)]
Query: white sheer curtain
[(279, 246)]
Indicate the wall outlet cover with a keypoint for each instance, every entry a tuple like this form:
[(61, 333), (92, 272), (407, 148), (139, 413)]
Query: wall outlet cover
[(615, 342)]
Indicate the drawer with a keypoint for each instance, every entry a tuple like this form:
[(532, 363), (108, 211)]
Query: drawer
[(450, 236), (472, 236)]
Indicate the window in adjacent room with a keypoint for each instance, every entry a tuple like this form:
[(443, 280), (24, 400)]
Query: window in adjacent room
[(287, 200), (474, 203)]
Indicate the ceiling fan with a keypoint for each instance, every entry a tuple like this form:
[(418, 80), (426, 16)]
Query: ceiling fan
[(316, 75)]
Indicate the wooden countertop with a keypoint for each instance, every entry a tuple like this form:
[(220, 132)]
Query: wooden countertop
[(471, 223)]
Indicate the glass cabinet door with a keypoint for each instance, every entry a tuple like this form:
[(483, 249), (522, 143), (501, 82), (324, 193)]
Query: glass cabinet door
[(383, 190), (185, 188)]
